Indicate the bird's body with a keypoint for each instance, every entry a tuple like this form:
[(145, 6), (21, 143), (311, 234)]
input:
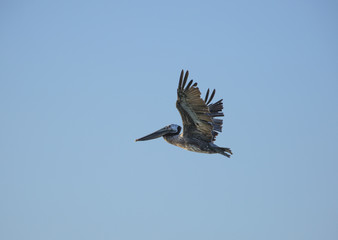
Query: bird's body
[(200, 125), (193, 144), (190, 144)]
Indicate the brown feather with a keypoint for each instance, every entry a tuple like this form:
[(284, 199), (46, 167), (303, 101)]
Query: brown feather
[(188, 86), (185, 79), (198, 116), (206, 96), (211, 97), (194, 112), (180, 82)]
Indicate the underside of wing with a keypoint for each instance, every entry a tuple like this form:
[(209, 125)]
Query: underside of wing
[(198, 115)]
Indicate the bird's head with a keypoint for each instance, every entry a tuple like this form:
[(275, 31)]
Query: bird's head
[(171, 129)]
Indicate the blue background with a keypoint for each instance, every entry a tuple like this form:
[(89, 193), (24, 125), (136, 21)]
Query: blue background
[(81, 80)]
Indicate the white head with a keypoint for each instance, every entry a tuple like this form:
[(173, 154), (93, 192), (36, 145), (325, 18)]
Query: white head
[(175, 127)]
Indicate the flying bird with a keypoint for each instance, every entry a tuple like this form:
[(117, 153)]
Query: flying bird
[(200, 125)]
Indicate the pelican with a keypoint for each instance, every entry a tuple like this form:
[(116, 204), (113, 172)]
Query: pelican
[(200, 127)]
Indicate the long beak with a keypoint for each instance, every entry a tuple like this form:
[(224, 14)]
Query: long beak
[(157, 134)]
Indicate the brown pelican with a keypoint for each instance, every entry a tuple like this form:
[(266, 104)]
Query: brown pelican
[(200, 127)]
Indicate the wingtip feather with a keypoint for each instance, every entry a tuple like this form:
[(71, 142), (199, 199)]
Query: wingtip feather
[(212, 96), (206, 96), (181, 78), (185, 78)]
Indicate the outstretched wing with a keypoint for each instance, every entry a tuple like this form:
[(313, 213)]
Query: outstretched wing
[(198, 116)]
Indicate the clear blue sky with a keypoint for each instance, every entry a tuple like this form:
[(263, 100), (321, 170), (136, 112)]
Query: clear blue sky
[(81, 80)]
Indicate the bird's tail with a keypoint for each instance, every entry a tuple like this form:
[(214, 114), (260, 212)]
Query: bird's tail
[(224, 151)]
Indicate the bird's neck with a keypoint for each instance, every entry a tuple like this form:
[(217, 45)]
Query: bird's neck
[(175, 139)]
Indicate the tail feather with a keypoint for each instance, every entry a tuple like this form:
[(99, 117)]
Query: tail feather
[(224, 151)]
